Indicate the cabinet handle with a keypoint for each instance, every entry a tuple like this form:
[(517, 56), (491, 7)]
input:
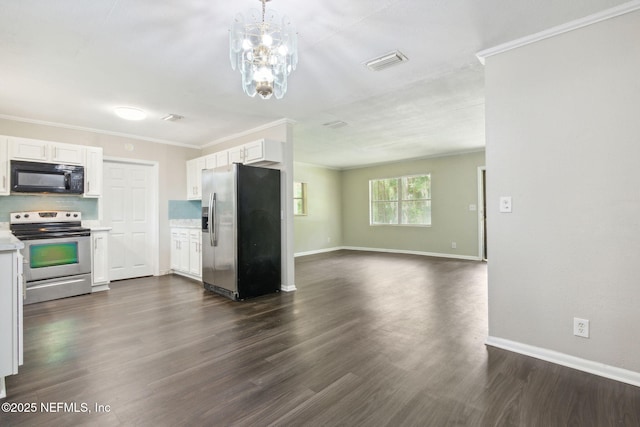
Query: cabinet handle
[(4, 182), (88, 186), (95, 244)]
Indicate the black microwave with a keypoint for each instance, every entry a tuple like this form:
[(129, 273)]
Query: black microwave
[(34, 177)]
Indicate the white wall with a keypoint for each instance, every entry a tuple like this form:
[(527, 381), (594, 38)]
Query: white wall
[(563, 139)]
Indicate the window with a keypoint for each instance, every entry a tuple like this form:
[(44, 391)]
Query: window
[(299, 198), (404, 200)]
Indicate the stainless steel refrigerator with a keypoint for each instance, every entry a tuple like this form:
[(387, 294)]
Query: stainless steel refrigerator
[(241, 231)]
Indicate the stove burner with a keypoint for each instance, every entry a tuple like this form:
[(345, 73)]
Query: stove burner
[(47, 225)]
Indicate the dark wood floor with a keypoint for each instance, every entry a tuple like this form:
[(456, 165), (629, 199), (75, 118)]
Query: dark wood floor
[(367, 339)]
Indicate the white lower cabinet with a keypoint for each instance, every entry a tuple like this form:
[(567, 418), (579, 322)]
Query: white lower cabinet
[(11, 327), (100, 260), (186, 252)]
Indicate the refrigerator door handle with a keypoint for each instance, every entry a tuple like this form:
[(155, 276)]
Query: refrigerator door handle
[(210, 210), (214, 234)]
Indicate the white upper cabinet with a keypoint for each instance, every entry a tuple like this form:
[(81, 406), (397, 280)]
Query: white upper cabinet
[(263, 151), (67, 153), (236, 155), (93, 172), (45, 151), (260, 152), (194, 178), (4, 166)]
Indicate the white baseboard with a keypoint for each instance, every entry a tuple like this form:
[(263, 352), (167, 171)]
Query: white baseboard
[(393, 251), (287, 288), (596, 368), (318, 251), (402, 251), (99, 288)]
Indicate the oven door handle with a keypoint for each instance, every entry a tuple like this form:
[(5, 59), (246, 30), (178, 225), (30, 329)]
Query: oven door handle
[(46, 285)]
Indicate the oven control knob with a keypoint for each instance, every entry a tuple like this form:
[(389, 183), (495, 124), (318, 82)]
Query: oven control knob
[(17, 216), (75, 215), (68, 214), (26, 215)]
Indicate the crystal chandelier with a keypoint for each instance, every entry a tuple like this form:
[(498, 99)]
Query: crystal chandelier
[(264, 50)]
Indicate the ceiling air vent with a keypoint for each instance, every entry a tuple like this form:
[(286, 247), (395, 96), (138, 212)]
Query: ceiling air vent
[(172, 118), (386, 61), (335, 124)]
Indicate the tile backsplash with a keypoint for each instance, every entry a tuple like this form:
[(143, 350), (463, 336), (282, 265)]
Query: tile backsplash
[(185, 209), (8, 204)]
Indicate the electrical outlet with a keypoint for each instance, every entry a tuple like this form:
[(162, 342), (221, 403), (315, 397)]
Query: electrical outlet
[(454, 245), (580, 327)]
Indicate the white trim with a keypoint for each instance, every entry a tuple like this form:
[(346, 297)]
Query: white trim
[(596, 368), (318, 251), (288, 288), (99, 288), (100, 131), (129, 161), (560, 29), (403, 251), (249, 132), (415, 159)]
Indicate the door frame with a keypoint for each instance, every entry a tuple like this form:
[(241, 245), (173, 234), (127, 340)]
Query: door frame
[(482, 170), (155, 197)]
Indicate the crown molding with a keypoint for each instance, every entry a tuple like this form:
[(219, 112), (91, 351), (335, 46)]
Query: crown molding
[(266, 126), (100, 131), (560, 29)]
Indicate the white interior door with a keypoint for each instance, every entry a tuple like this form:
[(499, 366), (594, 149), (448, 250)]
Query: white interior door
[(127, 208)]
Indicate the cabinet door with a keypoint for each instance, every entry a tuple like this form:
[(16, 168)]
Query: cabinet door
[(210, 161), (4, 166), (175, 250), (28, 149), (222, 158), (254, 151), (183, 249), (236, 155), (67, 153), (100, 272), (194, 178), (263, 151), (195, 256), (93, 172)]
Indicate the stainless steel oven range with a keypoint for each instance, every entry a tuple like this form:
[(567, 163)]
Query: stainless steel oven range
[(57, 254)]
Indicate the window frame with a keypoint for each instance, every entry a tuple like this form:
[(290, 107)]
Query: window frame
[(303, 198), (399, 201)]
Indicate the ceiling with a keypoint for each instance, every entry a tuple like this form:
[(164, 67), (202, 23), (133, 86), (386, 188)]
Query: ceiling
[(70, 62)]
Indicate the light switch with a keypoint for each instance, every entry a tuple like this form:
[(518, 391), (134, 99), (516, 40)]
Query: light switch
[(505, 204)]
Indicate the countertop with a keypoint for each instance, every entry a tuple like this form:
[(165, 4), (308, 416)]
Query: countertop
[(8, 242)]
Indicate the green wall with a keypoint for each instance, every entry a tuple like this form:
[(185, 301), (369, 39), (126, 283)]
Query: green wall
[(339, 208), (321, 228)]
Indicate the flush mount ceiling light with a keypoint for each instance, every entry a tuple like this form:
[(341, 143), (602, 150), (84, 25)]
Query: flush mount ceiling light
[(265, 51), (130, 113)]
